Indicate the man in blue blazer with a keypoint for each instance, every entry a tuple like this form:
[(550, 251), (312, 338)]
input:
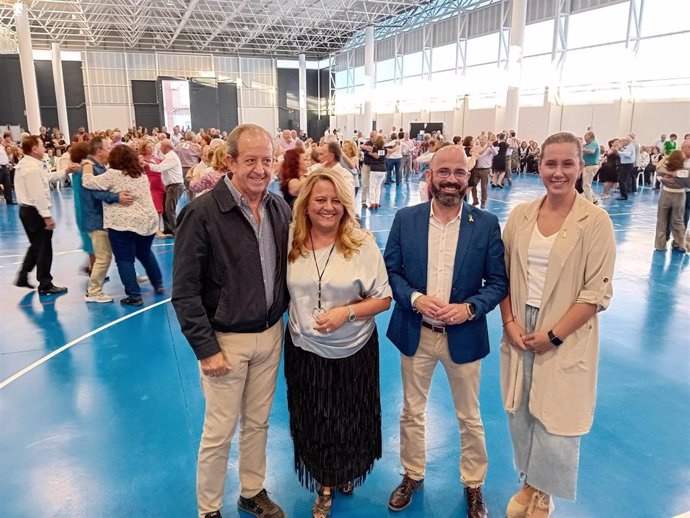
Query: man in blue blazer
[(446, 267)]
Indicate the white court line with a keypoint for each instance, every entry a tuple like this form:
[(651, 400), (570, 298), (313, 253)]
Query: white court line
[(74, 342), (684, 515), (56, 254)]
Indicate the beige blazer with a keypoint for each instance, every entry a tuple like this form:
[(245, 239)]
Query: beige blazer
[(581, 263)]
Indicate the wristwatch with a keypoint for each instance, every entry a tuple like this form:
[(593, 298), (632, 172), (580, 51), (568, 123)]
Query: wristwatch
[(351, 317), (554, 339), (471, 311)]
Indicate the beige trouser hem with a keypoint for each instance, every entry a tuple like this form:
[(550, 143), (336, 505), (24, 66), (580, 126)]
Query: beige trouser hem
[(104, 255), (587, 177), (245, 394), (417, 372)]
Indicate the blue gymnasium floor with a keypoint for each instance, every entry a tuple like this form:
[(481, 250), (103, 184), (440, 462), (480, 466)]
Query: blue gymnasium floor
[(110, 427)]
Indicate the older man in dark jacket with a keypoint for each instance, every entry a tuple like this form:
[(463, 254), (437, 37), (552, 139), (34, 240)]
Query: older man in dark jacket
[(229, 292)]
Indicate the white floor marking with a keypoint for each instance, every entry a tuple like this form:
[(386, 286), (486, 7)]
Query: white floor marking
[(74, 342)]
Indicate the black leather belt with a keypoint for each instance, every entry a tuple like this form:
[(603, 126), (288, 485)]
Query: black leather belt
[(435, 329)]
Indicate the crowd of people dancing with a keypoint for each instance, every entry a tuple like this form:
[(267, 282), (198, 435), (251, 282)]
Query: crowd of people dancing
[(246, 254)]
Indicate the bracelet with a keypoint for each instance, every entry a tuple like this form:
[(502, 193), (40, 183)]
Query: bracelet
[(509, 321)]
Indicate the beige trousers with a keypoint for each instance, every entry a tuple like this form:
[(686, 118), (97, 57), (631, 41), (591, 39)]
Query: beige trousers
[(587, 177), (104, 255), (671, 209), (246, 393), (417, 372)]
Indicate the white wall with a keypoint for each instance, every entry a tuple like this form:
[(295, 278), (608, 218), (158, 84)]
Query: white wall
[(260, 116), (110, 117)]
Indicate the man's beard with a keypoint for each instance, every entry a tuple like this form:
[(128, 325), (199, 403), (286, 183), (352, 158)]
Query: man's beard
[(447, 199)]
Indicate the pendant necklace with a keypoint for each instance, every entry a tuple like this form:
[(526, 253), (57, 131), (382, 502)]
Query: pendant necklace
[(318, 310)]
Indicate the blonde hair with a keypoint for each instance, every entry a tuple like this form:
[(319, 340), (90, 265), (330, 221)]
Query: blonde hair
[(220, 154), (350, 236), (350, 149), (563, 137)]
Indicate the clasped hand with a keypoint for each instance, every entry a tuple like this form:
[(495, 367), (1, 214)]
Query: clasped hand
[(331, 320), (538, 342), (449, 314)]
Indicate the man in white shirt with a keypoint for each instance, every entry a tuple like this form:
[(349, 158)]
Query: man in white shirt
[(329, 157), (173, 180), (5, 179), (157, 152), (446, 268), (33, 194), (176, 136), (636, 146), (406, 148)]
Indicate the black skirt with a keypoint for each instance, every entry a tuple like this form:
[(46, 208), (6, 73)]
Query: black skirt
[(335, 414)]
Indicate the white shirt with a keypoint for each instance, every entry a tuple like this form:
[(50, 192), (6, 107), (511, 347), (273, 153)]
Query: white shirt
[(140, 217), (31, 184), (406, 146), (170, 168), (344, 282), (537, 264), (443, 244), (4, 159), (347, 176)]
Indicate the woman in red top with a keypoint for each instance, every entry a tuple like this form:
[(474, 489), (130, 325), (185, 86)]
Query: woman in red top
[(155, 180)]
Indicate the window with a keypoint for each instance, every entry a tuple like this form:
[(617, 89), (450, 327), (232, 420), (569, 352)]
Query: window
[(359, 76), (664, 16), (443, 58), (660, 58), (385, 70), (482, 50), (599, 65), (538, 38), (598, 26), (412, 64), (536, 72), (341, 79), (482, 79)]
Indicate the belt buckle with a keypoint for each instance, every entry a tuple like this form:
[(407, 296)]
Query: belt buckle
[(438, 329)]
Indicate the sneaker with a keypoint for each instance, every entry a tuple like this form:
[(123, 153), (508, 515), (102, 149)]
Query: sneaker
[(100, 298), (160, 290), (260, 506), (52, 290), (131, 301)]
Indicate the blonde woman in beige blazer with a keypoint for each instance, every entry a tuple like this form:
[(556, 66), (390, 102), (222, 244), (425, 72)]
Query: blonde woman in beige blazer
[(560, 254)]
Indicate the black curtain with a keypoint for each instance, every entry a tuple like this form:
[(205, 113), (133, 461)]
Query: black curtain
[(227, 106), (203, 104), (147, 106)]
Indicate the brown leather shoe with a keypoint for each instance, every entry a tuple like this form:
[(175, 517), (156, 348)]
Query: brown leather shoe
[(476, 508), (401, 497)]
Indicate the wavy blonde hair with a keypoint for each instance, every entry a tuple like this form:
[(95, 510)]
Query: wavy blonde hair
[(350, 235), (220, 154)]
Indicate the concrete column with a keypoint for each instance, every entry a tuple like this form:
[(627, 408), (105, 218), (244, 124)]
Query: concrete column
[(514, 69), (63, 123), (369, 72), (302, 92), (26, 62)]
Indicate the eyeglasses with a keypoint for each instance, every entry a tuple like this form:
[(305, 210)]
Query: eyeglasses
[(445, 173)]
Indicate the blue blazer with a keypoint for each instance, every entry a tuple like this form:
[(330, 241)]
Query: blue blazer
[(479, 277)]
